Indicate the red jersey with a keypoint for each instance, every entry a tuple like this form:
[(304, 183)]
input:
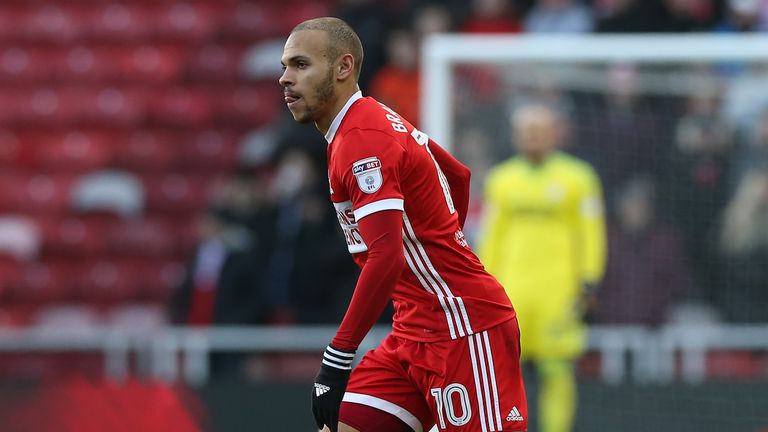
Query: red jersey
[(378, 161)]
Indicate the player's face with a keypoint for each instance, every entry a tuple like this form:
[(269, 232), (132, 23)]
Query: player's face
[(307, 80), (537, 133)]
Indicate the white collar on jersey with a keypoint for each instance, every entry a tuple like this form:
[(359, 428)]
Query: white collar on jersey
[(340, 116)]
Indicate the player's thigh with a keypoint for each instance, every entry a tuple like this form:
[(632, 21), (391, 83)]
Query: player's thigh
[(481, 387), (380, 397)]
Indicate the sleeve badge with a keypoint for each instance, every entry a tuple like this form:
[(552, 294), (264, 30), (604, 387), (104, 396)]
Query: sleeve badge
[(368, 174)]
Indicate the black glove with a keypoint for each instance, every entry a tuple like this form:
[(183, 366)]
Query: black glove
[(330, 384)]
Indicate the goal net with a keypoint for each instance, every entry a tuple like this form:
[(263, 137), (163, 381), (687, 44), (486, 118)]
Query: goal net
[(676, 127)]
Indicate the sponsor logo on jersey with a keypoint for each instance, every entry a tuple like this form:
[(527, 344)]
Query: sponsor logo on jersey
[(460, 238), (368, 174), (346, 217)]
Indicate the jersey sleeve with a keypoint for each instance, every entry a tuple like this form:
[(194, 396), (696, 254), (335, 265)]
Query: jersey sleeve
[(370, 169), (592, 228)]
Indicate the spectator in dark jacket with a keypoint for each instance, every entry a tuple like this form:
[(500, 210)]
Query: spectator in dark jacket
[(646, 271)]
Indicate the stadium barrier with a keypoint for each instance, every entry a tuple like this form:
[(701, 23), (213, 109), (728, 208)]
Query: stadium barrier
[(634, 354)]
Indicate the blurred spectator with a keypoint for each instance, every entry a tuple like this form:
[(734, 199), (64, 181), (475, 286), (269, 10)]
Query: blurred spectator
[(559, 16), (223, 282), (396, 84), (625, 16), (492, 16), (680, 16), (746, 95), (303, 277), (646, 271), (432, 18), (370, 20), (618, 134), (696, 183), (753, 152), (743, 247), (744, 16)]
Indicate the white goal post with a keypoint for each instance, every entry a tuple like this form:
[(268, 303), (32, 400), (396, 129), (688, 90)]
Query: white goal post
[(440, 53)]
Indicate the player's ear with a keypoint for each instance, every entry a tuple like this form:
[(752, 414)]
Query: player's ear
[(345, 67)]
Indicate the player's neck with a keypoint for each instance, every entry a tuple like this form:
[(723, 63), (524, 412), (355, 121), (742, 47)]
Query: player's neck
[(341, 99), (537, 159)]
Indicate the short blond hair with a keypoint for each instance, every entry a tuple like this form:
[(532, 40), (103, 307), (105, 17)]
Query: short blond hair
[(341, 39)]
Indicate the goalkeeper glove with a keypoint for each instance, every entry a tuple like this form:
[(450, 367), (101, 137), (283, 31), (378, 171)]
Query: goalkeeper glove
[(330, 384)]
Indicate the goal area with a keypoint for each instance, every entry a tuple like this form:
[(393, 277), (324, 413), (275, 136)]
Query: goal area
[(675, 123)]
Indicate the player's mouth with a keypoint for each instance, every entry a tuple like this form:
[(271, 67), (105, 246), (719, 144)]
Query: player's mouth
[(291, 98)]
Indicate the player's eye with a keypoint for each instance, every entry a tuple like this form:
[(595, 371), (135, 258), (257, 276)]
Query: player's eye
[(302, 65), (283, 67)]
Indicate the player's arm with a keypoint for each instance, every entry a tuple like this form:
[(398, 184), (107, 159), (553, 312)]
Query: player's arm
[(369, 171), (592, 230), (381, 231), (458, 176)]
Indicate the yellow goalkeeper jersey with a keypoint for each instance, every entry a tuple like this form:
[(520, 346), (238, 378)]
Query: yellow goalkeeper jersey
[(544, 232)]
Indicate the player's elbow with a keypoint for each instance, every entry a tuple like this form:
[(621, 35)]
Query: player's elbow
[(465, 173), (398, 261)]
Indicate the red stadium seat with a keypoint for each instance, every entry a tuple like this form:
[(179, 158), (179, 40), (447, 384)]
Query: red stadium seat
[(185, 21), (34, 193), (74, 237), (23, 64), (179, 106), (210, 150), (109, 282), (75, 151), (216, 63), (159, 279), (141, 238), (45, 283), (263, 19), (148, 151), (151, 64), (17, 316), (12, 271), (15, 152), (248, 105), (117, 22), (176, 194), (50, 22)]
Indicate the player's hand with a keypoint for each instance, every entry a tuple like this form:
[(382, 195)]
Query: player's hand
[(329, 387), (588, 303)]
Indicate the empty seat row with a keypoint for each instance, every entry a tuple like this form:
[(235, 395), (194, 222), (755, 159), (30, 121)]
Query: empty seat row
[(181, 20), (246, 105), (96, 236), (99, 282), (141, 63), (140, 150), (136, 316), (123, 193)]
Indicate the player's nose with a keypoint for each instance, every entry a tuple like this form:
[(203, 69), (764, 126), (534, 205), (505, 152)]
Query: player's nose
[(285, 79)]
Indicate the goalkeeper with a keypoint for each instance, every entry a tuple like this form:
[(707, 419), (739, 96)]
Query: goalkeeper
[(544, 239)]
